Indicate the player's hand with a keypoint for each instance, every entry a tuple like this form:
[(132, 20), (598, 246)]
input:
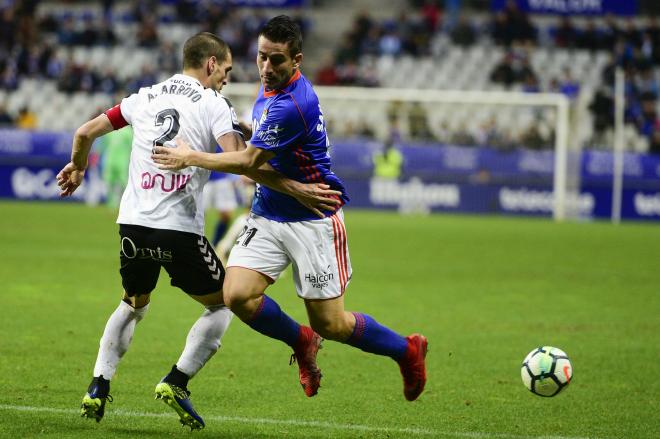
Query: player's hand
[(172, 159), (317, 197), (69, 178)]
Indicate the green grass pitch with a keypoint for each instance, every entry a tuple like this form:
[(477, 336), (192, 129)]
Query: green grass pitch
[(484, 290)]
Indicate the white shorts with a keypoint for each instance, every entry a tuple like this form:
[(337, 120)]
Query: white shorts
[(317, 249), (220, 195)]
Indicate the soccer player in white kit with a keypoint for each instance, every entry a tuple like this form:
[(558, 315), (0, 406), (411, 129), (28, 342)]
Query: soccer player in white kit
[(161, 215), (289, 133)]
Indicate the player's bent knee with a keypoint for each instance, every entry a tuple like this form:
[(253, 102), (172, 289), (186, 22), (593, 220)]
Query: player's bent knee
[(137, 301), (243, 292)]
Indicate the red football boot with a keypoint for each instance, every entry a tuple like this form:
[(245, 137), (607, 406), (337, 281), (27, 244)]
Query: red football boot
[(413, 368), (309, 343)]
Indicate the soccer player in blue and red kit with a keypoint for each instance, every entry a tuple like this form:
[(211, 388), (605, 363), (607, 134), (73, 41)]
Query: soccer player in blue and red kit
[(289, 134)]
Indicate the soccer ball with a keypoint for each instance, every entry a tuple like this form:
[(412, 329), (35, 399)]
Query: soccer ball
[(546, 371)]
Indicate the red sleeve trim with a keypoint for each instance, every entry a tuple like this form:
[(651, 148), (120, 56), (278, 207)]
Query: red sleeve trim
[(116, 118)]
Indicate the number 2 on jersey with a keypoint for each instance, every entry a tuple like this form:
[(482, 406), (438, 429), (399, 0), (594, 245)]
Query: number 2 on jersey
[(172, 116)]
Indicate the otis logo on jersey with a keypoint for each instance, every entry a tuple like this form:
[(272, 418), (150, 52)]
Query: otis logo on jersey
[(131, 251), (177, 181)]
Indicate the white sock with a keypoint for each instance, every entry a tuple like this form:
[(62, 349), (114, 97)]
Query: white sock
[(116, 338), (204, 339)]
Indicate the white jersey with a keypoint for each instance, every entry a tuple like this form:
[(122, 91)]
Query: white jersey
[(179, 106)]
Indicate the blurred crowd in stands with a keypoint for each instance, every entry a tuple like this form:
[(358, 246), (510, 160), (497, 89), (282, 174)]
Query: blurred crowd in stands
[(28, 43), (634, 47), (28, 40)]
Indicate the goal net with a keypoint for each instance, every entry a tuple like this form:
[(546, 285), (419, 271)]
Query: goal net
[(470, 151)]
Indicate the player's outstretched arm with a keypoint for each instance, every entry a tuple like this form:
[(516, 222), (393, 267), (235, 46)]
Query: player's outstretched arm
[(71, 176), (314, 196), (252, 163)]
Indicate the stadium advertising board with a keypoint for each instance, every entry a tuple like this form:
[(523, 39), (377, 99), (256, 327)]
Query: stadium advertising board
[(434, 178), (29, 162), (573, 7)]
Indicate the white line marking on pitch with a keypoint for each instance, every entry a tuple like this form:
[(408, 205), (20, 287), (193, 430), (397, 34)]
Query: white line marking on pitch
[(295, 423)]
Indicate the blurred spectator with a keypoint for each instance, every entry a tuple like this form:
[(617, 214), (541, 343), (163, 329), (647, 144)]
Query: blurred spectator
[(418, 122), (388, 162), (147, 34), (390, 43), (489, 135), (462, 137), (115, 151), (648, 49), (143, 9), (654, 144), (512, 25), (500, 30), (532, 138), (590, 38), (443, 133), (416, 40), (568, 86), (394, 111), (26, 119), (363, 129), (503, 72), (108, 83), (632, 34), (530, 83), (5, 117), (105, 35), (9, 78), (370, 44), (347, 73), (463, 33), (523, 69), (432, 14), (8, 27), (168, 58), (368, 74), (566, 35), (361, 25), (347, 51), (327, 73), (648, 116), (301, 21), (602, 108), (611, 32), (89, 35), (145, 79), (186, 10), (66, 32)]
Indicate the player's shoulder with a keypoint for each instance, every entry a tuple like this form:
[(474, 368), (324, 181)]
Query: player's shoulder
[(303, 94), (214, 97)]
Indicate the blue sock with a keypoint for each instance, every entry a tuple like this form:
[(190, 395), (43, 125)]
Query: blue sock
[(270, 320), (220, 230), (372, 337)]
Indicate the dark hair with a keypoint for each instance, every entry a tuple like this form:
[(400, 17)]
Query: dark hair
[(201, 47), (282, 29)]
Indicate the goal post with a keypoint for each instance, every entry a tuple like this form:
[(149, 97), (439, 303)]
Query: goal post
[(348, 103)]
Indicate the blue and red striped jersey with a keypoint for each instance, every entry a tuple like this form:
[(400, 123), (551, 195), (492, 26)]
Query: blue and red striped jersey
[(289, 122)]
